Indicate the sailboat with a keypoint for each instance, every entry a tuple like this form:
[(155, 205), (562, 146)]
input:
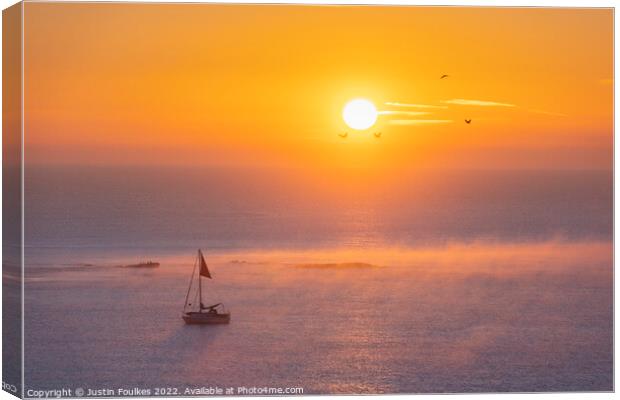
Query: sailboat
[(194, 311)]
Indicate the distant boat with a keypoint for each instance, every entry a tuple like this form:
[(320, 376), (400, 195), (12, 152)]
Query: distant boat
[(147, 264), (194, 311)]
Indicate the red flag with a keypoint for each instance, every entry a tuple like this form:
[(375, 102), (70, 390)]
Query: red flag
[(204, 271)]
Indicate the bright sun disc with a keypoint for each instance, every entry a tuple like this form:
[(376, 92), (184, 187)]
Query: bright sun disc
[(359, 114)]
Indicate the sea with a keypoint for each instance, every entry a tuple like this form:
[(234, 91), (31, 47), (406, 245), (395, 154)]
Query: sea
[(353, 281)]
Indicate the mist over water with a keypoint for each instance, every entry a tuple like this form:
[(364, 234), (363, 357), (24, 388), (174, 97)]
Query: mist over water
[(185, 208), (351, 282)]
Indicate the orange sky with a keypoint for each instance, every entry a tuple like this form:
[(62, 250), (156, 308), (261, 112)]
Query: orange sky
[(265, 85)]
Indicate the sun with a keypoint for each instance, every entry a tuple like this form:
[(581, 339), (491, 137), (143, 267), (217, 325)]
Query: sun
[(359, 114)]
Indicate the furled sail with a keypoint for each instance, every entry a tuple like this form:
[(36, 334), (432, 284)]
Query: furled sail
[(204, 271)]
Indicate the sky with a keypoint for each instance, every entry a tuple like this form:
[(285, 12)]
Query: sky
[(260, 85)]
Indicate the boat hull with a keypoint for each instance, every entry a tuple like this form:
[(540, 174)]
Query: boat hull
[(197, 318)]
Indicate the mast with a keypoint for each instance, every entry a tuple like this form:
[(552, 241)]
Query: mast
[(199, 283), (191, 280)]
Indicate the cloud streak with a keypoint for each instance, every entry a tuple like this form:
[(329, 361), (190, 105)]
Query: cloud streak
[(411, 113), (397, 104), (480, 103), (419, 121)]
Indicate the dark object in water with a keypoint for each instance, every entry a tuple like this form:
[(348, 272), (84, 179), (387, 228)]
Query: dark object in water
[(148, 264), (209, 317)]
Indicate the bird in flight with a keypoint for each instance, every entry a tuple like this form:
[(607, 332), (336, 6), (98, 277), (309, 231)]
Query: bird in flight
[(343, 135), (468, 121), (377, 134), (444, 76)]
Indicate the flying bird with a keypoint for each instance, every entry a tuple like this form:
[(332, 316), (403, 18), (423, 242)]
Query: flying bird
[(377, 134), (468, 121), (444, 76), (343, 135)]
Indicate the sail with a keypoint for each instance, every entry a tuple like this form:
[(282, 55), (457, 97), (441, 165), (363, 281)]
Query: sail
[(204, 271)]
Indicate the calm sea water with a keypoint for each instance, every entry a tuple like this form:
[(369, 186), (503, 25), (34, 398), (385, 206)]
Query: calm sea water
[(477, 281)]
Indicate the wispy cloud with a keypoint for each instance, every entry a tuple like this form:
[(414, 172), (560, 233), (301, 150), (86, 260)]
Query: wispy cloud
[(397, 104), (419, 121), (481, 103), (411, 113)]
